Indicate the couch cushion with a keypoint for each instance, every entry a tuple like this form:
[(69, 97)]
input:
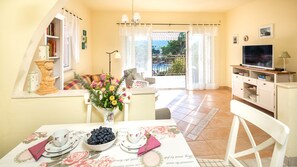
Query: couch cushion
[(137, 76), (72, 85)]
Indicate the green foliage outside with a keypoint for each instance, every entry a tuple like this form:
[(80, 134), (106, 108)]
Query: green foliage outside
[(175, 47), (178, 67)]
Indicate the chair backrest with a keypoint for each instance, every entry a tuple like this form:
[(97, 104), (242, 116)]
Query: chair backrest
[(277, 130), (129, 76)]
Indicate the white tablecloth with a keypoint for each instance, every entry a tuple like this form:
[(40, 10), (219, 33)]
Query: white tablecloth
[(174, 150)]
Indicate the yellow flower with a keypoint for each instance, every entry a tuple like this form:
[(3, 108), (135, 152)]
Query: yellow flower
[(111, 98), (111, 88), (114, 102)]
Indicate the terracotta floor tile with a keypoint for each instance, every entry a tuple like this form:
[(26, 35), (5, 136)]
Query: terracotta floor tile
[(187, 106), (201, 148), (216, 133), (185, 127), (218, 146), (177, 115)]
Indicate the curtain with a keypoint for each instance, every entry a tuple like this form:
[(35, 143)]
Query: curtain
[(71, 36), (136, 48), (200, 64)]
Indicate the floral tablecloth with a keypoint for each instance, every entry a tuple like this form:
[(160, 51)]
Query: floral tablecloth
[(174, 151)]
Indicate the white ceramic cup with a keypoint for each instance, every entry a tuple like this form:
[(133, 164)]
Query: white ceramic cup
[(134, 134), (60, 137)]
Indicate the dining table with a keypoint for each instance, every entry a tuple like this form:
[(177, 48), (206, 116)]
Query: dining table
[(173, 149)]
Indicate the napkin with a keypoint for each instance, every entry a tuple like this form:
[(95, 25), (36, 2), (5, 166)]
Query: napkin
[(38, 149), (151, 143)]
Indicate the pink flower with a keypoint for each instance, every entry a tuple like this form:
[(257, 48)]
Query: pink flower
[(94, 84), (121, 99), (117, 81), (124, 94), (75, 157), (103, 77)]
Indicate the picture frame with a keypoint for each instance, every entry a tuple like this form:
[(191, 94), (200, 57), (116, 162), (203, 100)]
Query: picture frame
[(235, 39), (266, 31)]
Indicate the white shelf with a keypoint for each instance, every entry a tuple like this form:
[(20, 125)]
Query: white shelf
[(52, 37), (56, 57)]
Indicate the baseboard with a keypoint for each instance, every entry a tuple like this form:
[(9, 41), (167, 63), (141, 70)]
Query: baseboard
[(290, 161)]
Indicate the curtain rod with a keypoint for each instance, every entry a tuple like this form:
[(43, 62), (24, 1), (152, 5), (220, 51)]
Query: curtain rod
[(72, 14), (168, 24)]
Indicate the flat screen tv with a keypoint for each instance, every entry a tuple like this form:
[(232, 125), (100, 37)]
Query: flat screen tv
[(260, 56)]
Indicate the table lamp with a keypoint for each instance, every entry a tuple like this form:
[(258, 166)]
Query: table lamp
[(117, 56), (285, 55)]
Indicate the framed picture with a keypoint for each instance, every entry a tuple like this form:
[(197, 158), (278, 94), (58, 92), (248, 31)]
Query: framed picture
[(266, 31), (235, 39)]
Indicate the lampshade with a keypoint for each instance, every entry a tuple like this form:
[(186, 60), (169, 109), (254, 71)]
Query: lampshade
[(117, 55), (285, 54), (136, 17), (125, 18)]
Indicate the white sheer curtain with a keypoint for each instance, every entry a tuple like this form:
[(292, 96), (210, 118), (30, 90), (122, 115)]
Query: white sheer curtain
[(200, 64), (71, 36), (136, 48)]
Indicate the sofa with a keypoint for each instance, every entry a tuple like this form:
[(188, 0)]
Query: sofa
[(74, 84), (135, 79)]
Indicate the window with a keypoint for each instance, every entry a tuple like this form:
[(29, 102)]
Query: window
[(67, 52)]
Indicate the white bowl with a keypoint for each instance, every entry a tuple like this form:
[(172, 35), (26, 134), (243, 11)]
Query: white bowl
[(100, 147)]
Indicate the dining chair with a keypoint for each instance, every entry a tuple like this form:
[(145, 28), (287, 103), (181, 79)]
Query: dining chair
[(277, 131)]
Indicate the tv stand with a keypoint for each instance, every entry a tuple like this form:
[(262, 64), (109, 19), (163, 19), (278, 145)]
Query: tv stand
[(258, 86)]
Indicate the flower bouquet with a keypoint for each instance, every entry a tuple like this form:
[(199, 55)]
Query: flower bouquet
[(105, 93)]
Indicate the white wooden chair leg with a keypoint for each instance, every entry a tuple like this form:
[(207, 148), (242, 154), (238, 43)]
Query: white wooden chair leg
[(89, 112)]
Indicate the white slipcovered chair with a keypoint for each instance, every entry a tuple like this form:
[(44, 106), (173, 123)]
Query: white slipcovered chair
[(134, 79), (277, 131)]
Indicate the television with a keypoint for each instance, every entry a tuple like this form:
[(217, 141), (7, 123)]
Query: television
[(260, 56)]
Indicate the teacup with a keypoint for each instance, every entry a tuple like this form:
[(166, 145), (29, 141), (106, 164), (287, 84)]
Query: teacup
[(60, 137), (134, 134)]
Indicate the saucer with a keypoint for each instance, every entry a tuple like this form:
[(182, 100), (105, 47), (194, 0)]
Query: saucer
[(129, 150), (55, 154), (51, 148), (126, 143)]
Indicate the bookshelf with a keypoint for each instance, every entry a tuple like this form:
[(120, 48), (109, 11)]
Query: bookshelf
[(53, 37)]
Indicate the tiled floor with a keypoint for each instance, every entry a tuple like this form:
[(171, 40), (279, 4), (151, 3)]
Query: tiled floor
[(190, 107)]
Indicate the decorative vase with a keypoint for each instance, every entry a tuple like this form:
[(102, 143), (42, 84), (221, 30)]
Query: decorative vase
[(108, 116)]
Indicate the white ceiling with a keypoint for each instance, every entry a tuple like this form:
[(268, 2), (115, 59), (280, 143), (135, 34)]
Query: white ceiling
[(165, 5)]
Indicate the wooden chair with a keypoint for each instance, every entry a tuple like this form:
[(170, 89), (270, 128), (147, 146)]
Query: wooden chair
[(277, 131)]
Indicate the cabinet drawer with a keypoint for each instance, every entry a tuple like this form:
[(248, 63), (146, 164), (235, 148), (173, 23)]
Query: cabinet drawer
[(237, 78), (250, 80), (265, 85)]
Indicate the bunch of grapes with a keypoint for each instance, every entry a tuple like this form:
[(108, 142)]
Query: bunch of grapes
[(100, 136)]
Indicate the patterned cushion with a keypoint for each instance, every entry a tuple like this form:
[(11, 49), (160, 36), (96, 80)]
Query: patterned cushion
[(72, 85), (95, 77), (87, 78)]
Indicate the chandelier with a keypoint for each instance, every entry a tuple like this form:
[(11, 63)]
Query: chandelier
[(135, 16)]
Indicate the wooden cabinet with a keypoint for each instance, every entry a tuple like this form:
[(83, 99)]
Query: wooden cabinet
[(258, 86), (237, 85)]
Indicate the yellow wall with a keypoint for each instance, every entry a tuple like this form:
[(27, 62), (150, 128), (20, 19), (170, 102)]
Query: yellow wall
[(106, 35), (246, 19), (20, 117), (85, 64)]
